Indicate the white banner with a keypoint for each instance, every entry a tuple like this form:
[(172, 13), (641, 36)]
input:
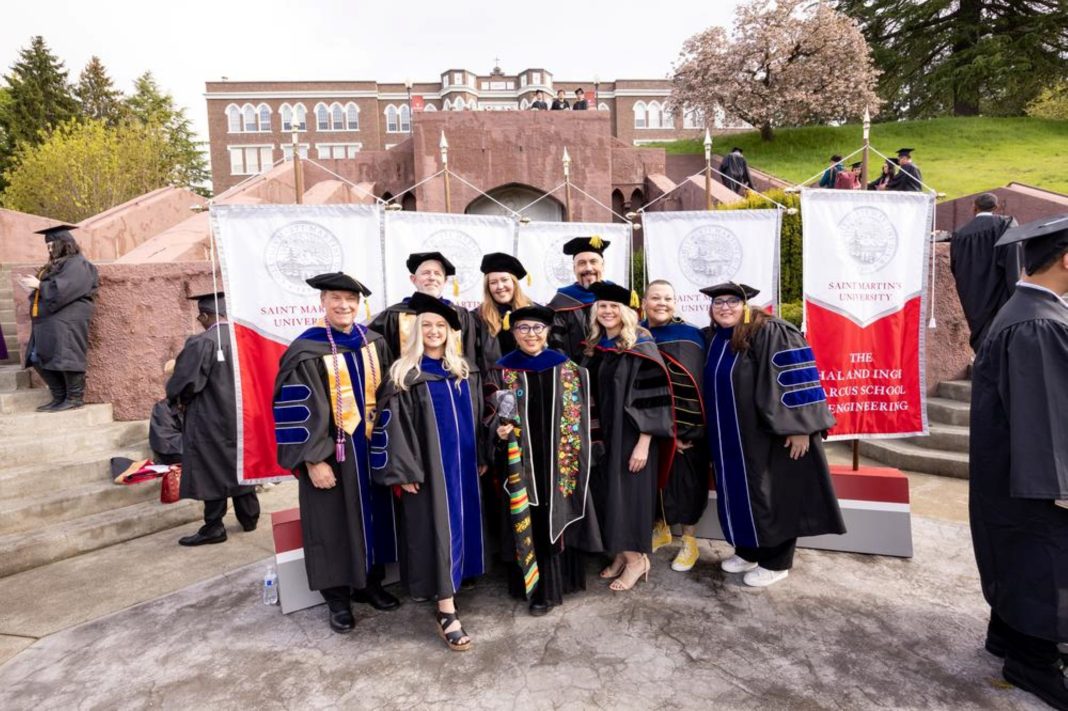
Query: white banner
[(699, 248), (540, 249), (463, 239)]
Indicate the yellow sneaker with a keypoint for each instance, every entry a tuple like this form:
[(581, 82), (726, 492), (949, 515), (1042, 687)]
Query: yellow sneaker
[(661, 535), (687, 556)]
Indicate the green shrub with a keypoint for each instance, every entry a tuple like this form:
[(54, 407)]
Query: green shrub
[(791, 311), (790, 244), (1052, 103)]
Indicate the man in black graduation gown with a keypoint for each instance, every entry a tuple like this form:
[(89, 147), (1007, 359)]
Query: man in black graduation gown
[(734, 172), (572, 302), (1019, 466), (324, 410), (165, 427), (908, 177), (202, 386), (539, 101), (985, 275), (428, 271), (62, 299)]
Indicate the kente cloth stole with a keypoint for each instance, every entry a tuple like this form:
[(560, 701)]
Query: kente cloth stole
[(351, 417), (519, 511)]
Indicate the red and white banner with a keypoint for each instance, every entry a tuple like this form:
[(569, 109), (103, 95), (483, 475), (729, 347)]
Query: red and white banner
[(540, 249), (463, 239), (699, 248), (865, 275), (266, 253)]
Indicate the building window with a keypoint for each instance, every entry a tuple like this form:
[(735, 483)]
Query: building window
[(602, 106), (523, 105), (639, 115), (392, 122), (322, 117), (405, 119), (249, 114), (457, 78), (286, 113), (264, 113), (669, 118), (233, 119), (287, 151), (428, 108), (249, 160), (655, 118), (459, 105), (300, 116), (535, 78), (447, 106), (337, 117), (523, 80), (485, 86), (338, 150), (693, 118), (352, 117)]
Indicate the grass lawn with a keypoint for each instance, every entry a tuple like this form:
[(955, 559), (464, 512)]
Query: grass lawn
[(958, 156)]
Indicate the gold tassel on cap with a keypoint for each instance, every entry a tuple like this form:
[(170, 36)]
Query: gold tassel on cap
[(530, 280), (367, 308), (455, 287), (506, 322), (596, 242), (635, 302), (747, 317)]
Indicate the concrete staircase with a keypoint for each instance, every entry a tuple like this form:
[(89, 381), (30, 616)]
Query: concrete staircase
[(7, 316), (57, 499), (945, 450)]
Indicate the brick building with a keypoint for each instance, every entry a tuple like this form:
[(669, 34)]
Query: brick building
[(250, 123)]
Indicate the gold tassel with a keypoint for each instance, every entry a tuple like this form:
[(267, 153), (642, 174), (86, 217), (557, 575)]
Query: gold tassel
[(635, 302), (747, 317), (367, 308), (596, 242), (530, 280), (455, 287), (506, 322)]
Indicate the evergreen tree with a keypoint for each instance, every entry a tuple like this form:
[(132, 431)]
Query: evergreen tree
[(963, 57), (97, 94), (151, 106)]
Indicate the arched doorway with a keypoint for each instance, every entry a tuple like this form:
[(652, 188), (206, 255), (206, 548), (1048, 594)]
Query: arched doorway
[(617, 205), (517, 196), (408, 202)]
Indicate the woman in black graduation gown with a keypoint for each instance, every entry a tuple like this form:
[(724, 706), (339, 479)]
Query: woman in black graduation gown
[(767, 413), (501, 294), (633, 401), (425, 442), (548, 435)]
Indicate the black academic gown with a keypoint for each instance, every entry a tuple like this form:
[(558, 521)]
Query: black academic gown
[(632, 397), (736, 167), (571, 323), (428, 435), (394, 323), (985, 275), (350, 528), (490, 346), (165, 432), (204, 387), (754, 400), (907, 179), (59, 338), (684, 486), (1019, 464)]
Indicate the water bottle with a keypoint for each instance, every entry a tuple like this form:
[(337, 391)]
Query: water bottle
[(270, 587)]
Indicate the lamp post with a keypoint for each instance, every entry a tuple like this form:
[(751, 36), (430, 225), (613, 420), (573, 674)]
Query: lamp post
[(408, 88), (567, 183), (596, 90), (443, 146), (708, 169), (867, 143), (298, 169)]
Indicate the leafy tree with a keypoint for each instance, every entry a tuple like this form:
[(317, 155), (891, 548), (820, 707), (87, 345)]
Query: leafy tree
[(963, 57), (783, 63), (1052, 103), (86, 167), (97, 94), (153, 107)]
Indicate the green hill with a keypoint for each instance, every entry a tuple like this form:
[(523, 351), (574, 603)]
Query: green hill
[(958, 156)]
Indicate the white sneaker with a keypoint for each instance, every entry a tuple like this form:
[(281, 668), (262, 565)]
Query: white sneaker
[(762, 577), (736, 564)]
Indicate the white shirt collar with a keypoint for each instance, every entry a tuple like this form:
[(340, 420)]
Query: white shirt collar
[(984, 214), (1037, 287)]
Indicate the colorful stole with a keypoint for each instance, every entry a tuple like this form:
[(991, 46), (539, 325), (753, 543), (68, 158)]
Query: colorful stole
[(519, 510)]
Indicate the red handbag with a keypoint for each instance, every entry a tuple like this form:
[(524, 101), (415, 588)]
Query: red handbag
[(168, 490)]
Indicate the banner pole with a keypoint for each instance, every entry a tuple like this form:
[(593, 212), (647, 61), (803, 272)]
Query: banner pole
[(567, 184), (708, 170), (443, 145), (298, 169), (867, 145)]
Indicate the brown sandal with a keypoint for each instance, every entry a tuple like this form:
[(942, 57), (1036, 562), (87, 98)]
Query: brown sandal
[(612, 571), (452, 639)]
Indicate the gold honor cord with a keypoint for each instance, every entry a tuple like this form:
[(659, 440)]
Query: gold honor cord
[(341, 383)]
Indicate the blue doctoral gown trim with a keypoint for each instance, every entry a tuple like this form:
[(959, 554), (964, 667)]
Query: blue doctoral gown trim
[(518, 360)]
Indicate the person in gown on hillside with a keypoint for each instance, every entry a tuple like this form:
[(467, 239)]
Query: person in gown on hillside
[(632, 398), (683, 487), (767, 415), (908, 177), (324, 407), (734, 172), (1018, 502), (572, 302), (550, 431), (427, 443), (889, 170)]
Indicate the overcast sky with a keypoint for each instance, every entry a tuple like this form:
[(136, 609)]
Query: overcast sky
[(189, 42)]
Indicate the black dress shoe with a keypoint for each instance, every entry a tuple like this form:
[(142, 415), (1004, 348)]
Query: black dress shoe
[(376, 597), (538, 608), (342, 621), (1048, 683), (249, 527), (199, 539)]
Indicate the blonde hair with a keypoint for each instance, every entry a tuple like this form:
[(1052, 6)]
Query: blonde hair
[(628, 335), (409, 361), (488, 310)]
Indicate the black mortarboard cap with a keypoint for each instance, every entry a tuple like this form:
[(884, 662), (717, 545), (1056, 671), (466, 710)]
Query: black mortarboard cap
[(417, 258), (60, 231), (904, 152), (501, 262), (856, 165), (1042, 239), (423, 304), (606, 291), (742, 291), (337, 281), (206, 303), (578, 245), (836, 158), (534, 312)]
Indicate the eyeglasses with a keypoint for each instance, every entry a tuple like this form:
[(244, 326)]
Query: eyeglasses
[(537, 329), (727, 302)]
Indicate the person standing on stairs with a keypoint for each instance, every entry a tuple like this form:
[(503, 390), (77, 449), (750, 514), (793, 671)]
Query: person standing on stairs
[(203, 387), (61, 304)]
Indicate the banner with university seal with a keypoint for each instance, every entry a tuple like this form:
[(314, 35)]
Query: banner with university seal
[(540, 249), (866, 257), (463, 239), (697, 248), (266, 252)]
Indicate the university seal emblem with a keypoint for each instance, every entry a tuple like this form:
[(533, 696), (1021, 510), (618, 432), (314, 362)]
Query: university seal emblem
[(464, 254), (301, 250), (710, 254), (868, 239)]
